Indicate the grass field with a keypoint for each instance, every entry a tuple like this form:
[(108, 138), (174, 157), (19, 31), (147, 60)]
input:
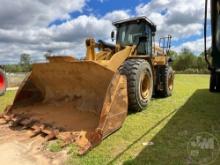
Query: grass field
[(160, 134)]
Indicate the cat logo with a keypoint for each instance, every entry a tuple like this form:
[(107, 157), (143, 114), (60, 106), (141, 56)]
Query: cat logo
[(203, 148)]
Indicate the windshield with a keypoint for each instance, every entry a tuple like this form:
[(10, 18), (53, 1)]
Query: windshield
[(129, 34)]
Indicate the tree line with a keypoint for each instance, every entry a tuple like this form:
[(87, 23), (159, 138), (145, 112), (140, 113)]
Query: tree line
[(183, 62), (25, 65), (187, 62)]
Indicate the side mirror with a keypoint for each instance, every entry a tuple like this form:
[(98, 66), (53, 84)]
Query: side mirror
[(113, 36)]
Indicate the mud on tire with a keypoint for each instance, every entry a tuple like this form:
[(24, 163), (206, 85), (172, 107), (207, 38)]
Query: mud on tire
[(140, 83)]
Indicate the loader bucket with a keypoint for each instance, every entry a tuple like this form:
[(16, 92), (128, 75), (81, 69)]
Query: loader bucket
[(77, 101)]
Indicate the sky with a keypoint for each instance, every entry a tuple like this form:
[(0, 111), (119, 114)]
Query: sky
[(34, 27)]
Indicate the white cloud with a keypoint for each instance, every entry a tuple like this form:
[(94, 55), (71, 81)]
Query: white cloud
[(180, 18), (67, 38), (25, 13), (117, 15), (81, 28), (196, 46)]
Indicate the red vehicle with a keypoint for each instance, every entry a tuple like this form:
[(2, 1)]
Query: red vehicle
[(3, 82)]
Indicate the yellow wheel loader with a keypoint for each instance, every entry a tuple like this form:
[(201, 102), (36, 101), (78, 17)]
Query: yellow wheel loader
[(84, 101)]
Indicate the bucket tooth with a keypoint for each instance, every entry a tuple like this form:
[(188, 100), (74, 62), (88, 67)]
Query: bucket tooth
[(35, 133), (27, 123), (47, 130), (37, 129), (52, 135), (2, 121), (9, 117), (15, 122), (31, 122), (38, 126)]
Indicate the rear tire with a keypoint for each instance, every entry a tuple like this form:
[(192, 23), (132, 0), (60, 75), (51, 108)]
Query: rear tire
[(140, 83), (3, 82), (166, 81)]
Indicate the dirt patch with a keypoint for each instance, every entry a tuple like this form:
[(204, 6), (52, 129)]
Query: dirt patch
[(16, 148)]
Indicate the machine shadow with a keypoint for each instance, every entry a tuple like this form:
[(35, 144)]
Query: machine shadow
[(198, 114)]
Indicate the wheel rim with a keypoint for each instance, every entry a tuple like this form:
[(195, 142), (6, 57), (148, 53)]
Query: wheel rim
[(170, 82), (145, 86), (2, 82)]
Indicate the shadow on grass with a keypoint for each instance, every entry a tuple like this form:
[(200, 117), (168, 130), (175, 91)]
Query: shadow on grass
[(129, 146), (201, 113)]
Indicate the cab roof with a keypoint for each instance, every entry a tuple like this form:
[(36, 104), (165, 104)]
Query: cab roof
[(137, 19)]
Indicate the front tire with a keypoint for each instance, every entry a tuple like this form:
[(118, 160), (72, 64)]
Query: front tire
[(140, 83)]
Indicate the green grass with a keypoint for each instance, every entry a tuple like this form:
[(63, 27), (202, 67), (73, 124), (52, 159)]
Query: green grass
[(7, 99), (169, 123), (54, 146)]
